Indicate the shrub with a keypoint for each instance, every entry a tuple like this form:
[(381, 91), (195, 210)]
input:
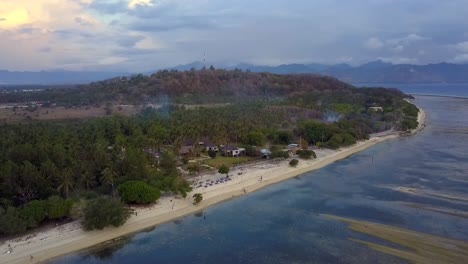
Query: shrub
[(197, 198), (212, 154), (57, 207), (293, 163), (34, 212), (193, 167), (279, 154), (138, 192), (306, 154), (223, 169), (11, 221), (348, 140), (103, 212)]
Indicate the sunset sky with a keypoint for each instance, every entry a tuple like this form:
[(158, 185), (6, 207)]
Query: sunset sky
[(144, 35)]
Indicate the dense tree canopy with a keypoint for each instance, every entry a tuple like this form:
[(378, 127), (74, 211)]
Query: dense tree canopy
[(138, 192), (44, 164), (103, 212)]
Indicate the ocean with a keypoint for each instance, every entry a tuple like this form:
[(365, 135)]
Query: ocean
[(284, 223)]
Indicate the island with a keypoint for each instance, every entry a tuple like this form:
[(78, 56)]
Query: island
[(84, 165)]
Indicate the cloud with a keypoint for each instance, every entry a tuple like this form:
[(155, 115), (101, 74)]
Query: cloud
[(399, 60), (411, 38), (82, 21), (157, 25), (461, 58), (462, 46), (45, 50), (136, 3), (144, 35), (374, 43), (109, 7), (129, 41)]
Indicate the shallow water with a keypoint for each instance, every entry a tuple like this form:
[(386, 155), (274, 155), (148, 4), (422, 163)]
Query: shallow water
[(281, 223)]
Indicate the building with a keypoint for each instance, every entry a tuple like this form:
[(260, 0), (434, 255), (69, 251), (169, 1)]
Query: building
[(232, 151), (376, 108), (265, 153), (292, 148)]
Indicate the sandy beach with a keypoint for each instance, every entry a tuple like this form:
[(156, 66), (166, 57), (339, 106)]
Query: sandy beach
[(64, 239)]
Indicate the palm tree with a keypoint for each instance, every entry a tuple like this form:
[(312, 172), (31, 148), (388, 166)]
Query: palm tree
[(66, 182), (88, 179), (108, 177)]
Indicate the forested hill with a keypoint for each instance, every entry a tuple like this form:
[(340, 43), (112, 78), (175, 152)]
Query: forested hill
[(197, 86)]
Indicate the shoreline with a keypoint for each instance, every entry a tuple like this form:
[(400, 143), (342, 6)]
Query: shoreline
[(69, 238)]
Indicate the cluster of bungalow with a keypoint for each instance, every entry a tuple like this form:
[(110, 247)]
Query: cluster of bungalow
[(192, 147)]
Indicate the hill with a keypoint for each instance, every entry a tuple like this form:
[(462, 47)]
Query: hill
[(194, 87)]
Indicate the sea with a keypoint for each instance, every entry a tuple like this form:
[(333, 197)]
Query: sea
[(285, 223)]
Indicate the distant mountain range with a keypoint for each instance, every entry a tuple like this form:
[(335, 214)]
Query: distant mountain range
[(54, 77), (372, 72)]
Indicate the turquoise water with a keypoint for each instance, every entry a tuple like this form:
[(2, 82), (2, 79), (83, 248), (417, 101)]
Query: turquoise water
[(281, 223)]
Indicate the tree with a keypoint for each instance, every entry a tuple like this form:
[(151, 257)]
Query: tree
[(103, 212), (57, 207), (138, 192), (108, 177), (197, 198), (11, 221), (168, 165), (66, 182), (223, 169), (158, 135), (293, 163), (34, 212), (255, 138)]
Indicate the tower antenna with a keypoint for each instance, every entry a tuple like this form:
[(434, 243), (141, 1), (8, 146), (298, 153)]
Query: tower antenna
[(204, 60)]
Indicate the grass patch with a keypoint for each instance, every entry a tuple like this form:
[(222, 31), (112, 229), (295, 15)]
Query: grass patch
[(228, 161)]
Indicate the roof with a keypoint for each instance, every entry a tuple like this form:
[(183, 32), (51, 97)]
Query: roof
[(265, 152), (229, 147), (189, 142), (185, 149)]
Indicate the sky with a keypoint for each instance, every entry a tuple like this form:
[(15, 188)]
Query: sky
[(145, 35)]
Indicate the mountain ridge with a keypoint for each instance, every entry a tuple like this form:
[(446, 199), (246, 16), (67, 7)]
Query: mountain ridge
[(371, 72)]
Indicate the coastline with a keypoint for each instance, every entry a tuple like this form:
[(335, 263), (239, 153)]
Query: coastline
[(69, 238)]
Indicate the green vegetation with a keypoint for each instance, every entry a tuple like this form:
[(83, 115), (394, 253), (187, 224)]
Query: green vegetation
[(138, 192), (223, 169), (293, 163), (228, 161), (15, 220), (44, 165), (279, 154), (212, 154), (306, 154), (103, 212), (197, 198)]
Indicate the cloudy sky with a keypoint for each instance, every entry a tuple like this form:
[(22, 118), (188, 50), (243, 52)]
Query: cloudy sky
[(144, 35)]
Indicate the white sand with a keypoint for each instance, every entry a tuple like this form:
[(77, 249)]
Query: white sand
[(44, 245)]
